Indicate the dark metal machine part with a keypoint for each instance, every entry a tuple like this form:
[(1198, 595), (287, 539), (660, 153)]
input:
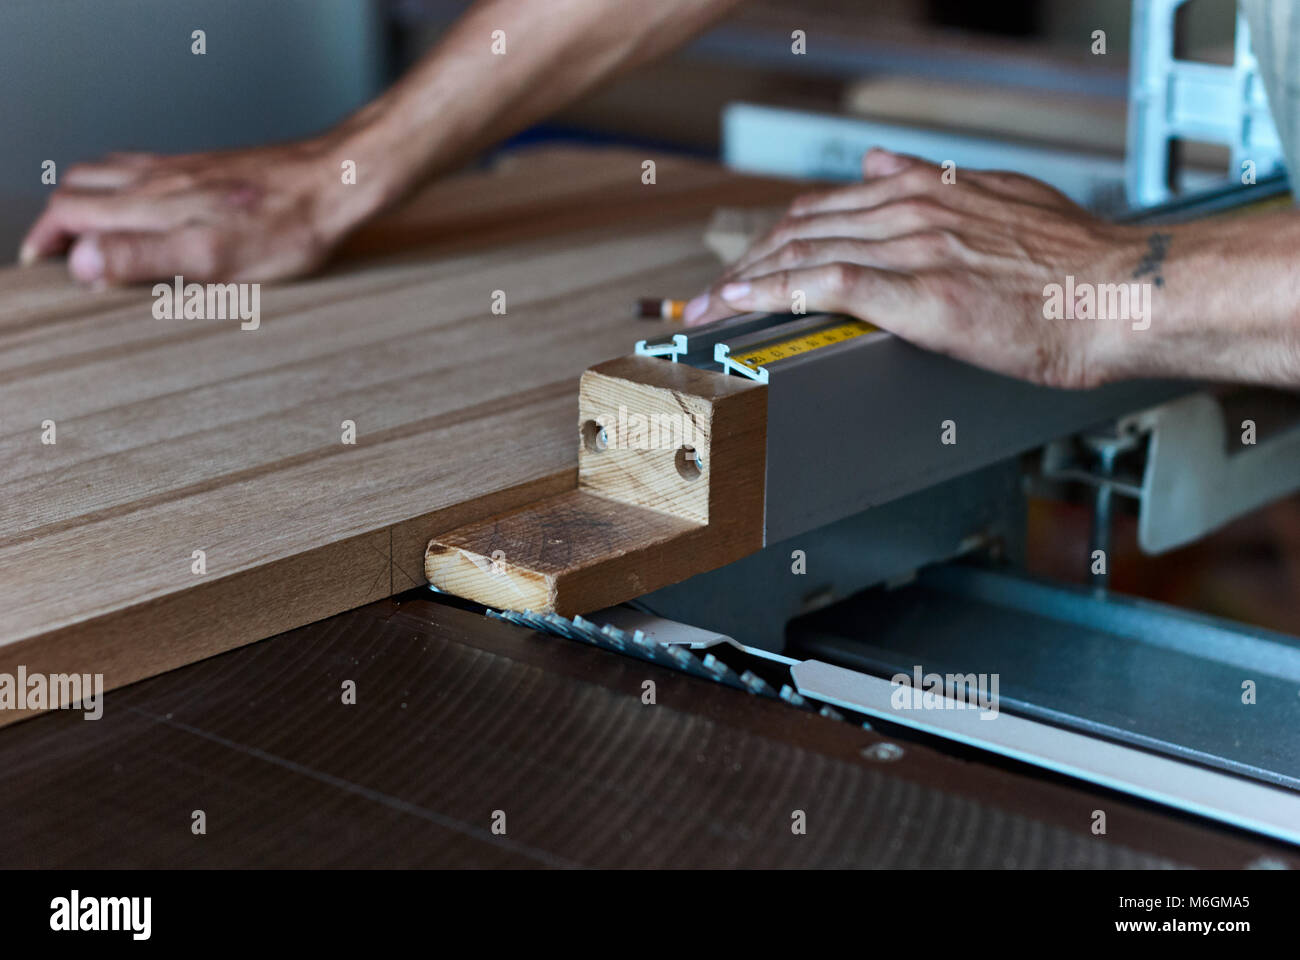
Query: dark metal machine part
[(841, 405), (1129, 670), (888, 542), (458, 716)]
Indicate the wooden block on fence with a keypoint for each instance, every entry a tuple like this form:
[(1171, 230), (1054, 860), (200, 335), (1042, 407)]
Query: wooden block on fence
[(683, 441), (671, 465)]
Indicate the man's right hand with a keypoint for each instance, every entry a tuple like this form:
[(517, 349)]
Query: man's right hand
[(245, 215)]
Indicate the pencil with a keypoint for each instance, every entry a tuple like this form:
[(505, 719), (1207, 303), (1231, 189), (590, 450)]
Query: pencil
[(650, 309)]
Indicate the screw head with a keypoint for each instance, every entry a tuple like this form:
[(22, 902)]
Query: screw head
[(883, 752)]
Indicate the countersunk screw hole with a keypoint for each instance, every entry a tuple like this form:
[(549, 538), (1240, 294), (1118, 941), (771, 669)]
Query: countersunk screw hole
[(689, 463)]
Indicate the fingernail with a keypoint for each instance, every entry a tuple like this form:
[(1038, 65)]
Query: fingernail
[(883, 162), (734, 291), (27, 255), (694, 308), (87, 261)]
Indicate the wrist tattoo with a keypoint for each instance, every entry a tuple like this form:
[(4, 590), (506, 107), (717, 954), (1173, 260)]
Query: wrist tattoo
[(1154, 258)]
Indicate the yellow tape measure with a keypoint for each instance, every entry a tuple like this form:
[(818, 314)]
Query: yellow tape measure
[(783, 349), (1281, 202)]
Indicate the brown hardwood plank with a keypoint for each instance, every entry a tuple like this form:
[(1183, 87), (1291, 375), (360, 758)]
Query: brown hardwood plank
[(183, 435), (284, 411)]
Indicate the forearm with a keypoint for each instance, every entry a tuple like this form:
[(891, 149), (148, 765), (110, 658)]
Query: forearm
[(1227, 305), (462, 97)]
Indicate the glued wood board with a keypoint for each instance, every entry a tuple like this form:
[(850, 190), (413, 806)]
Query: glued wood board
[(183, 435)]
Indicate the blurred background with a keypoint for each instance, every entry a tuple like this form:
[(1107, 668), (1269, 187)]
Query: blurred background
[(1013, 84), (82, 77)]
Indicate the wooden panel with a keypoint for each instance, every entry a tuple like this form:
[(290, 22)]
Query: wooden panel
[(183, 435), (642, 516)]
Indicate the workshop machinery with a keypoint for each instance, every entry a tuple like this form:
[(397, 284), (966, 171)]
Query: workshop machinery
[(845, 524), (1170, 101)]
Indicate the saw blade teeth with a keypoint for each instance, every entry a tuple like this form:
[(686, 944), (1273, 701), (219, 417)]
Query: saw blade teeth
[(672, 655), (594, 634), (644, 652), (686, 660), (698, 668), (675, 653), (757, 684), (791, 696), (570, 628), (585, 630), (721, 671), (660, 653), (539, 622), (613, 635), (509, 616)]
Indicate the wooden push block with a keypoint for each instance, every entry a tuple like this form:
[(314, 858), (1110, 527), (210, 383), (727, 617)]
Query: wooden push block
[(671, 465)]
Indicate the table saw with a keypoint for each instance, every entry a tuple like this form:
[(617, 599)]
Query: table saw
[(656, 657), (897, 474)]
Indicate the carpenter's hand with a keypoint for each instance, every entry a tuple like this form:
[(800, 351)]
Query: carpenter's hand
[(960, 267), (257, 214)]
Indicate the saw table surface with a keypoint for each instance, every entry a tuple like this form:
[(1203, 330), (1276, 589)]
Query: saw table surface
[(173, 436), (458, 717)]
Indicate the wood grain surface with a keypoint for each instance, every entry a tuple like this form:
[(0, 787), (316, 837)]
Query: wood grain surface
[(189, 434)]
